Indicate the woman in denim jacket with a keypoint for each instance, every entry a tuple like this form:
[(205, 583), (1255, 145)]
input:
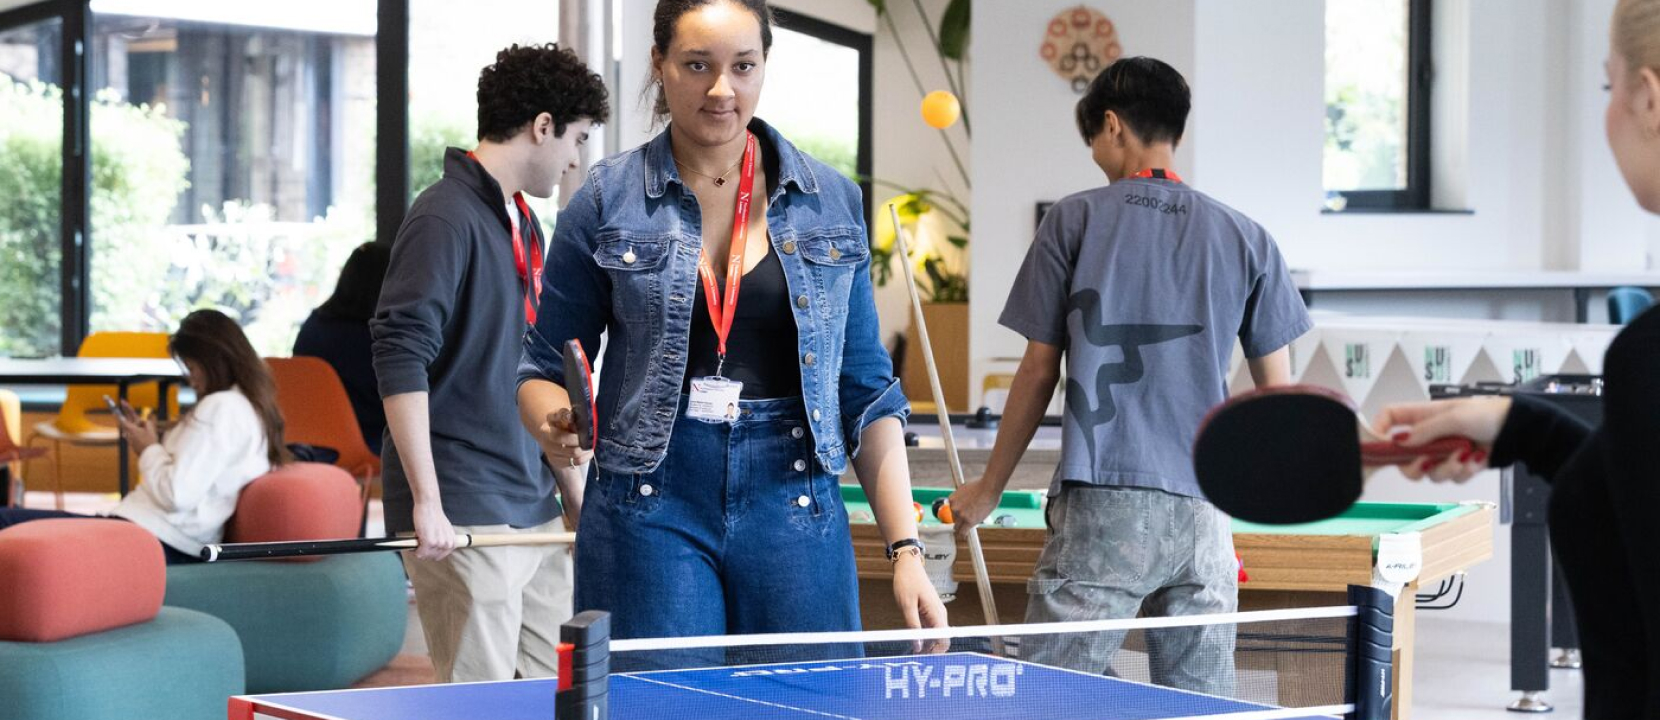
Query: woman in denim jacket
[(708, 526)]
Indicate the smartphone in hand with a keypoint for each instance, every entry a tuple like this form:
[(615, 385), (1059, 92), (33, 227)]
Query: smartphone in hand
[(115, 409)]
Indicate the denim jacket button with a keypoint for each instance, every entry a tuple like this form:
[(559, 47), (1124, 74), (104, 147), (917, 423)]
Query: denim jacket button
[(835, 254), (646, 490), (801, 301), (810, 359), (796, 432), (628, 257), (800, 465), (803, 501), (815, 415), (789, 247)]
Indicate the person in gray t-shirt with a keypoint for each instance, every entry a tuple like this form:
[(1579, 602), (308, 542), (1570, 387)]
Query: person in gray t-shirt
[(1143, 286)]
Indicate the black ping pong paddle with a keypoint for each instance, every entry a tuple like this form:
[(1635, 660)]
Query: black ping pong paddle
[(579, 384), (1295, 454)]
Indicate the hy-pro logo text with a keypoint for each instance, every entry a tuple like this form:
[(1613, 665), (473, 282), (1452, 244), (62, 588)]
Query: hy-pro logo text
[(904, 682)]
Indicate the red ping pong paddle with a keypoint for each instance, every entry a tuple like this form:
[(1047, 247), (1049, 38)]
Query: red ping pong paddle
[(579, 384), (1295, 454)]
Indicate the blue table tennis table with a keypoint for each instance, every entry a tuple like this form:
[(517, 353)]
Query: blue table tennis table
[(942, 687)]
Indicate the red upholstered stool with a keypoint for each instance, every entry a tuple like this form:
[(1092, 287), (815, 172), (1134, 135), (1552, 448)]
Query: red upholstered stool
[(306, 625), (71, 577), (298, 501)]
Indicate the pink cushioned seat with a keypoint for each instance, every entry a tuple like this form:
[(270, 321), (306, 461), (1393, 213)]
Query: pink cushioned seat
[(71, 577), (298, 501)]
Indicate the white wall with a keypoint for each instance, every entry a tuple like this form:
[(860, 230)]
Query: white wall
[(1520, 143), (1026, 146)]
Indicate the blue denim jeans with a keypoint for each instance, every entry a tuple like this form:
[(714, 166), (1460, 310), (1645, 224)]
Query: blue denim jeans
[(738, 531)]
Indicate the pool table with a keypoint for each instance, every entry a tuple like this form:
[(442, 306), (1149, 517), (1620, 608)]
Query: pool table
[(1287, 566)]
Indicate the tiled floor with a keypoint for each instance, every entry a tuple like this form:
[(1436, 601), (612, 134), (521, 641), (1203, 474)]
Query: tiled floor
[(1463, 667)]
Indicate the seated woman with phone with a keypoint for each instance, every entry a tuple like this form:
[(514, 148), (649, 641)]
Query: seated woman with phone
[(193, 475)]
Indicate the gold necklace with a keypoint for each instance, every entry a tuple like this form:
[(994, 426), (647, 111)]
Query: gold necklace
[(720, 180)]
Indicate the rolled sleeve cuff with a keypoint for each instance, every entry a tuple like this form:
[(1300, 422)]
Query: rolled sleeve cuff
[(396, 377), (541, 360), (890, 402)]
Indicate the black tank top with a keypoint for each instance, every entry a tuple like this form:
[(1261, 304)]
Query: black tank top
[(762, 347)]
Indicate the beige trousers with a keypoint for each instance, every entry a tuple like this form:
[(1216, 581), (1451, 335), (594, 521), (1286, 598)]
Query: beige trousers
[(489, 613)]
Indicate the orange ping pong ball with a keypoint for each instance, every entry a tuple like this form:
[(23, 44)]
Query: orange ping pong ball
[(940, 109)]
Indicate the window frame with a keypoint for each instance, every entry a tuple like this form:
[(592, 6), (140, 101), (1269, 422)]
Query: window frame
[(1416, 196), (77, 239), (860, 43)]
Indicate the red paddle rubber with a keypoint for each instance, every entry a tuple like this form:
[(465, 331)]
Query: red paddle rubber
[(1380, 454)]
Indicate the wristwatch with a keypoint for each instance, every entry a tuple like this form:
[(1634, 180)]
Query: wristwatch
[(899, 547)]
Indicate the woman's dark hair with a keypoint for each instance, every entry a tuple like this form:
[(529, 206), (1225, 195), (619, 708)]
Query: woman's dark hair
[(225, 359), (668, 14), (358, 289), (526, 81), (1148, 95)]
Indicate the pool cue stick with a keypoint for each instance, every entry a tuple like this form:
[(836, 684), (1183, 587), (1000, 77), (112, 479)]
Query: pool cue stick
[(305, 548), (982, 578)]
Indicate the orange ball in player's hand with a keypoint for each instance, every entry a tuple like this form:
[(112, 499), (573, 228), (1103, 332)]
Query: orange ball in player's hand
[(940, 109)]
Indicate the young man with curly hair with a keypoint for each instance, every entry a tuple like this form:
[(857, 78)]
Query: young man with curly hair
[(461, 287)]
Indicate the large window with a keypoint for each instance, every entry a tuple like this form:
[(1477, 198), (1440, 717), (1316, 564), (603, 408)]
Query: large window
[(222, 154), (31, 155), (1377, 104), (447, 50), (233, 160), (817, 94)]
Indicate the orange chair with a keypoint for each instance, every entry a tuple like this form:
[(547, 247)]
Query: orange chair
[(317, 411), (11, 479), (72, 425)]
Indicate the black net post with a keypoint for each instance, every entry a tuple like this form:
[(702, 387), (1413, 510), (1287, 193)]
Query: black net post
[(585, 685), (1371, 682)]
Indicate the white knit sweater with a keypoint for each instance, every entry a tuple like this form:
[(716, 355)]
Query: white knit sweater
[(192, 478)]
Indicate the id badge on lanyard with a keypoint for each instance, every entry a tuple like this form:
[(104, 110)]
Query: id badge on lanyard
[(714, 399)]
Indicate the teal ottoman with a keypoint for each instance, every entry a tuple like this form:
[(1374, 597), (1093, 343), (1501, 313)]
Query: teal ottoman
[(304, 625), (183, 665)]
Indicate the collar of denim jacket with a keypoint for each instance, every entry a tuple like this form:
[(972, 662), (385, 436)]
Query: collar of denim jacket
[(793, 168)]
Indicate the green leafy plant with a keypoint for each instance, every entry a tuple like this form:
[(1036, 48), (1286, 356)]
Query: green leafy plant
[(937, 252), (138, 172), (147, 272)]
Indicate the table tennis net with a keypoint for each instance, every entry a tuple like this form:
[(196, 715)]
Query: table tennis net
[(1243, 666)]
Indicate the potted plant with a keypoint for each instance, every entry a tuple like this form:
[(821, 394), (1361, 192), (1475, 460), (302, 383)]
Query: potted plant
[(936, 222), (936, 227)]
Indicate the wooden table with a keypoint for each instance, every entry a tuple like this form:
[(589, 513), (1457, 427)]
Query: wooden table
[(120, 372)]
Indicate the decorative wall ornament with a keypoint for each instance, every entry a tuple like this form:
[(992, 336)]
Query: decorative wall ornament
[(1078, 44)]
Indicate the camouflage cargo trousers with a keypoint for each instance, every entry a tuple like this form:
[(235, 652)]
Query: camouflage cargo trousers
[(1114, 552)]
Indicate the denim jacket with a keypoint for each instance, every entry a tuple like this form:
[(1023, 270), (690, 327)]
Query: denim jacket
[(623, 261)]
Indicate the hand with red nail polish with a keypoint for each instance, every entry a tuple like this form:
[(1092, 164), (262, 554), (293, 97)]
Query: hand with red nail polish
[(1418, 424)]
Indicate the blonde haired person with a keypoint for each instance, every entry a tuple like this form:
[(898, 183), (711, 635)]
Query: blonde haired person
[(1606, 480)]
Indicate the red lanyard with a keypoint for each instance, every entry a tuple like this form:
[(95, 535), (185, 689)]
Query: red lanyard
[(719, 316), (1158, 173), (530, 277)]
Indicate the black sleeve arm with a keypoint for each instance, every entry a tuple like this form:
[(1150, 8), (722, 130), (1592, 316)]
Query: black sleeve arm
[(1539, 434)]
